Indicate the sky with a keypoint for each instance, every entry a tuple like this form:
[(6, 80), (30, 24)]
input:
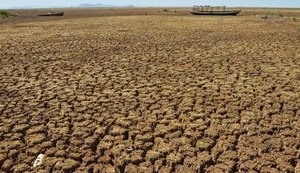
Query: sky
[(4, 4)]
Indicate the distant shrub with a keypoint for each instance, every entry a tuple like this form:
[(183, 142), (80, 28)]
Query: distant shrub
[(4, 14), (264, 17), (272, 17), (168, 11), (294, 19)]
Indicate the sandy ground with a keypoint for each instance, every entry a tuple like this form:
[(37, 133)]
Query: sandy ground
[(150, 93)]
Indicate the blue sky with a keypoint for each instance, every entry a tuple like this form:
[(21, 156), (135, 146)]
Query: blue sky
[(252, 3)]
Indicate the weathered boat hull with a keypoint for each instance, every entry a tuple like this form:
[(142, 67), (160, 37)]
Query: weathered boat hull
[(52, 14), (222, 13)]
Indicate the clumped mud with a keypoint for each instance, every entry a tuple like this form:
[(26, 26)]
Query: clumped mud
[(150, 94)]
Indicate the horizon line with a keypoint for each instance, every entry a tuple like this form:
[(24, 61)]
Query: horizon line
[(133, 6)]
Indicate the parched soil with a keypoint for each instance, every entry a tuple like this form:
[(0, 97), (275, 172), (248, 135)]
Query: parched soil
[(155, 93)]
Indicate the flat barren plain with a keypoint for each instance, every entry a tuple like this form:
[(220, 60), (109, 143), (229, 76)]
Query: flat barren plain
[(163, 92)]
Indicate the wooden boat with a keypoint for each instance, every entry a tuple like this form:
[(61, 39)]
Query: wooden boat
[(208, 10), (225, 13), (53, 14)]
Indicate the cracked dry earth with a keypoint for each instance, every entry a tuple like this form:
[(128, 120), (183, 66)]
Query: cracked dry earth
[(150, 94)]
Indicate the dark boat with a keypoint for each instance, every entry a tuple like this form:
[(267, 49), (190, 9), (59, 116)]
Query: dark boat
[(208, 10), (14, 15), (53, 14)]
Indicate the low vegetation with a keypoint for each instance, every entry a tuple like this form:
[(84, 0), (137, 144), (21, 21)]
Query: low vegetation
[(294, 19), (4, 14), (167, 10), (272, 17), (201, 144)]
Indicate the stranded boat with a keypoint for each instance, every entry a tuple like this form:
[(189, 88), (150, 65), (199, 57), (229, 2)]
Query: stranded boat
[(53, 14), (210, 10), (14, 15)]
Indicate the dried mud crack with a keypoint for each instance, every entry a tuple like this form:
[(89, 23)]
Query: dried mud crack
[(150, 94)]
